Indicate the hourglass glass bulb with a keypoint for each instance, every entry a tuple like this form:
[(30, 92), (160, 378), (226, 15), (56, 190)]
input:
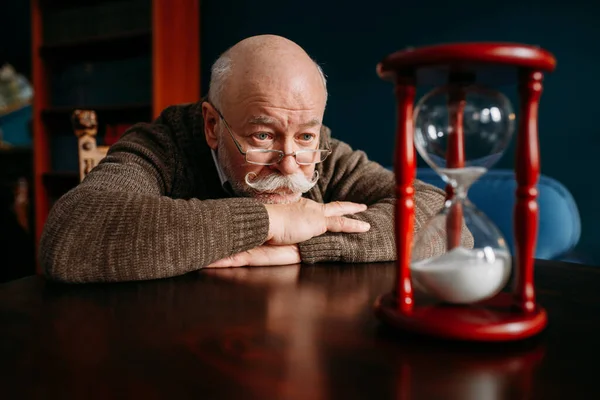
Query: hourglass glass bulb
[(480, 121), (459, 256)]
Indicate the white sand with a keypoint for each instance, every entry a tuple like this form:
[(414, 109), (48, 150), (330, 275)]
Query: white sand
[(463, 275)]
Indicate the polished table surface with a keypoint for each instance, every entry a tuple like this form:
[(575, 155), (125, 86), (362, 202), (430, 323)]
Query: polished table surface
[(295, 332)]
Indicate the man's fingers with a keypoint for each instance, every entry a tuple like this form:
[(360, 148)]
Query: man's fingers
[(338, 208), (222, 263), (236, 260), (260, 256), (347, 225), (295, 223)]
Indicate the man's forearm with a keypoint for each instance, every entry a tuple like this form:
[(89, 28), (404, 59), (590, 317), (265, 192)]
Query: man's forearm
[(95, 236), (378, 244)]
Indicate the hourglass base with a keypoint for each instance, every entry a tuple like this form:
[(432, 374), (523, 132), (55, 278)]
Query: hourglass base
[(495, 320)]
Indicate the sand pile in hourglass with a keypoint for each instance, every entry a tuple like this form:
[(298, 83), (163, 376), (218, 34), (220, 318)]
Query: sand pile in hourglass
[(463, 275)]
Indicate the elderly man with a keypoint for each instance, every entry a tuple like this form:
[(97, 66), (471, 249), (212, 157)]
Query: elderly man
[(250, 177)]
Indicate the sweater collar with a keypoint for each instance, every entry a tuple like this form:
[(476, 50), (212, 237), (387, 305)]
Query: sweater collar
[(224, 182)]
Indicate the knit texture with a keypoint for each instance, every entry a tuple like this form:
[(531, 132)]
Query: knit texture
[(155, 208)]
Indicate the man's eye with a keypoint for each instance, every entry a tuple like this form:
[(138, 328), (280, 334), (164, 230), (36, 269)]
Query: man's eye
[(307, 137), (262, 136)]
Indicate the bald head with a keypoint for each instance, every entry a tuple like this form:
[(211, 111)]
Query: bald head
[(266, 64)]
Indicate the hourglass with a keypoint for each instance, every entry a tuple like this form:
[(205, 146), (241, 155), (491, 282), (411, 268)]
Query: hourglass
[(452, 274)]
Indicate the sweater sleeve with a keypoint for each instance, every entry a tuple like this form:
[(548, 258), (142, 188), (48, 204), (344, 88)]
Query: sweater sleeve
[(120, 224), (351, 176)]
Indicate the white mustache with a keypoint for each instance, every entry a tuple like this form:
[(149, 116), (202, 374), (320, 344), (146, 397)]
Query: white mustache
[(296, 183)]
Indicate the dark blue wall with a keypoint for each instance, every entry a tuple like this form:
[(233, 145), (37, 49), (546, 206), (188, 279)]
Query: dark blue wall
[(348, 39)]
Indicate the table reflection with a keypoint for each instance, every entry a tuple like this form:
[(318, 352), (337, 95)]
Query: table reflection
[(334, 345)]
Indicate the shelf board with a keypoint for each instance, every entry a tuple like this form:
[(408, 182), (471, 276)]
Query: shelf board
[(60, 117), (6, 151), (106, 47), (58, 183), (49, 4)]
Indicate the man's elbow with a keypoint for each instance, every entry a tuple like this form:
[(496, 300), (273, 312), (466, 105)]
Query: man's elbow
[(56, 272), (55, 250), (54, 267)]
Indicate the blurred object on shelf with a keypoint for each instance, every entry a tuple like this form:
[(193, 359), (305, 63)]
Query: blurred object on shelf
[(16, 95), (15, 90)]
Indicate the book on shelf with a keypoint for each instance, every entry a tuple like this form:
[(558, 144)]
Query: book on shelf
[(87, 21)]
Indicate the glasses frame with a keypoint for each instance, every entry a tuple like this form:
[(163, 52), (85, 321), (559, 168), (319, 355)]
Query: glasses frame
[(325, 152)]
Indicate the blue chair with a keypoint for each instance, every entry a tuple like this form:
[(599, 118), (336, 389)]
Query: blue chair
[(494, 194)]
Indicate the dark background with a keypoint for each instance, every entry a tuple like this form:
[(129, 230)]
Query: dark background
[(348, 39)]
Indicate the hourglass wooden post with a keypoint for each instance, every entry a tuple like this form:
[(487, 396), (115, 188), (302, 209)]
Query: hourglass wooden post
[(507, 315), (405, 165), (527, 173)]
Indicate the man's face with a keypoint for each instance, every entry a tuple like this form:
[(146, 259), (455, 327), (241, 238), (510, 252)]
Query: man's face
[(277, 118)]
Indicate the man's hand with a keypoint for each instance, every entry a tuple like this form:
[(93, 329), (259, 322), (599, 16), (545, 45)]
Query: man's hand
[(265, 255), (300, 221)]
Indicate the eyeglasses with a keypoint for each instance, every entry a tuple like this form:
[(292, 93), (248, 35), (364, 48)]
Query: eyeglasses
[(270, 157)]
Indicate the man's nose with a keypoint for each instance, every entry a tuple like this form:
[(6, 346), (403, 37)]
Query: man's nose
[(288, 164)]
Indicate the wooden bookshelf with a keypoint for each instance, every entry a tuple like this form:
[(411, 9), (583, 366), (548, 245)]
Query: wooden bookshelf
[(175, 52), (41, 142), (66, 3), (17, 151), (58, 183), (59, 118), (172, 44), (96, 48)]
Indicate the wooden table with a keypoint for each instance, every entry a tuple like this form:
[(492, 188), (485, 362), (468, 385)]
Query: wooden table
[(280, 333)]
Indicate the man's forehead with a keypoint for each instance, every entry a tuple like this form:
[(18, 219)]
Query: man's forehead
[(301, 121)]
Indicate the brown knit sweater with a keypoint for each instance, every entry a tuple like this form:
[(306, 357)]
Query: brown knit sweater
[(155, 208)]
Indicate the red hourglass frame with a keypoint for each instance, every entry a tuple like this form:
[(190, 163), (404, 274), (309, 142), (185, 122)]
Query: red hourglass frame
[(507, 316)]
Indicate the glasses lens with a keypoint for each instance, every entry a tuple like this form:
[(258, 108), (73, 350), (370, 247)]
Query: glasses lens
[(263, 156), (311, 156)]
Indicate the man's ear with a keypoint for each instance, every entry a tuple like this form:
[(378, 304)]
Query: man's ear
[(210, 117)]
